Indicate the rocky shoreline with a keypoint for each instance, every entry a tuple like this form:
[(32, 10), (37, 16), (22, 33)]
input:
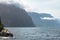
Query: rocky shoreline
[(6, 33), (3, 31)]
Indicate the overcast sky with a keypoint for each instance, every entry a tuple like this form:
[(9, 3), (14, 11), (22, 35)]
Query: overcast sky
[(42, 6)]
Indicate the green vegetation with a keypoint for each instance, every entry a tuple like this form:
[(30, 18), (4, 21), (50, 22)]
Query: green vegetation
[(1, 27)]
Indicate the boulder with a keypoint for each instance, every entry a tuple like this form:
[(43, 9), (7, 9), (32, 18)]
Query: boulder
[(6, 33)]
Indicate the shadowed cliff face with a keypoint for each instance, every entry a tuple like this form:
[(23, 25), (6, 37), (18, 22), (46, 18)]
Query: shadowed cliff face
[(13, 16), (40, 22)]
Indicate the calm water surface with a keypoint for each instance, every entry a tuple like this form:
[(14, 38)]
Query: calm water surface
[(35, 33)]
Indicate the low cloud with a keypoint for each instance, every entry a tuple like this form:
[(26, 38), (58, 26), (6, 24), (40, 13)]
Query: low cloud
[(50, 6), (44, 6), (47, 18)]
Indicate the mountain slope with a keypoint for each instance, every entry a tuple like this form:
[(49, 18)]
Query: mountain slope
[(44, 20), (13, 16)]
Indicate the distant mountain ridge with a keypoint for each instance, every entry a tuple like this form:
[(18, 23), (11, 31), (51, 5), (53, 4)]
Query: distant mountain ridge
[(39, 22), (40, 14), (14, 16)]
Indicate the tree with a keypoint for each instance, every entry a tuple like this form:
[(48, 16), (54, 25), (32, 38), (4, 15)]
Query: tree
[(1, 25)]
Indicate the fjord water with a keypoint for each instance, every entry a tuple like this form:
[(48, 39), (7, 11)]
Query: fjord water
[(35, 33)]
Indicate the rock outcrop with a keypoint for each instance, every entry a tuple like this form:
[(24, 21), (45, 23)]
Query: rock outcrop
[(6, 33)]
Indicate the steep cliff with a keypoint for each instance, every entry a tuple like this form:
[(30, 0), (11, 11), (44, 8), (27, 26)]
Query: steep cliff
[(13, 16)]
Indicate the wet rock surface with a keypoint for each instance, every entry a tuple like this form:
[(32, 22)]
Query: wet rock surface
[(6, 33)]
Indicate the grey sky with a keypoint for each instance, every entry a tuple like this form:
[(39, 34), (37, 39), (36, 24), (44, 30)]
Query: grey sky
[(44, 6)]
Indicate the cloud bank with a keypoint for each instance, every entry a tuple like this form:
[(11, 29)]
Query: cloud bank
[(46, 6), (47, 18), (42, 6)]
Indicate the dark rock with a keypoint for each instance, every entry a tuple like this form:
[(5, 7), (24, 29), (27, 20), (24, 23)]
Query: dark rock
[(6, 33)]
